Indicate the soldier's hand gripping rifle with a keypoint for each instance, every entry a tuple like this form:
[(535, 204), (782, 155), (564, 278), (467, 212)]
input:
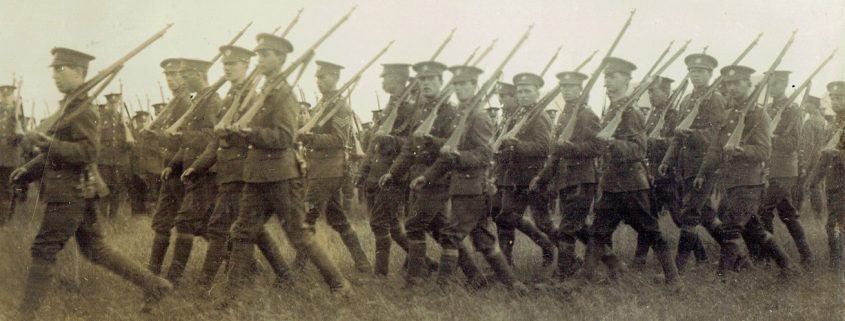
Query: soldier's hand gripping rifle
[(686, 123), (569, 129), (608, 131), (280, 80), (327, 108), (451, 144), (804, 87), (734, 141), (387, 124), (672, 104), (442, 97)]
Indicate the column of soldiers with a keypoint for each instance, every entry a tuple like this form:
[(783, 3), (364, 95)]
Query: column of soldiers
[(223, 179)]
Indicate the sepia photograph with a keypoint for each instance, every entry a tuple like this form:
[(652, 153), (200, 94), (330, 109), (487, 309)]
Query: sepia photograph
[(422, 160)]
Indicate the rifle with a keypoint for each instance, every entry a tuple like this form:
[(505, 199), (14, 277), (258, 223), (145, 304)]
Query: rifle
[(18, 130), (686, 123), (569, 129), (451, 144), (443, 96), (200, 100), (161, 92), (249, 87), (357, 149), (485, 52), (608, 131), (280, 80), (291, 24), (388, 122), (324, 114), (231, 42), (734, 140), (673, 101), (128, 127), (805, 86), (551, 61)]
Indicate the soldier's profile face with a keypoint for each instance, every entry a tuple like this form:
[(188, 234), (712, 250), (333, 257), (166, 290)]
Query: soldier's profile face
[(430, 85), (658, 95), (837, 103), (464, 90), (570, 92), (67, 78), (326, 82), (508, 101), (616, 83), (737, 89), (700, 77), (193, 79), (174, 81), (235, 70), (393, 84), (527, 95), (270, 60), (777, 86)]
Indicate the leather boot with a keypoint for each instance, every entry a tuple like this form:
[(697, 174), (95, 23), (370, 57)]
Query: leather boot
[(728, 256), (507, 236), (755, 250), (158, 250), (448, 264), (540, 238), (772, 249), (213, 259), (641, 252), (503, 271), (416, 259), (37, 284), (155, 288), (401, 239), (797, 232), (382, 257), (274, 257), (591, 260), (685, 248), (350, 239), (567, 261), (698, 249), (664, 255), (240, 263), (475, 278), (181, 255), (614, 267), (331, 275)]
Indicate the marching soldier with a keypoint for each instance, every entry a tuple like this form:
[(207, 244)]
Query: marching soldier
[(686, 151), (507, 97), (427, 204), (624, 184), (10, 149), (831, 168), (171, 192), (493, 113), (664, 189), (326, 158), (159, 106), (741, 176), (813, 135), (783, 166), (385, 203), (69, 151), (570, 171), (272, 175), (146, 166), (200, 189), (226, 153), (521, 158), (113, 158), (466, 173)]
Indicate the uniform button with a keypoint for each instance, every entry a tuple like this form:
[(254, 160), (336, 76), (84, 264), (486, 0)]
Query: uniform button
[(249, 147), (219, 148)]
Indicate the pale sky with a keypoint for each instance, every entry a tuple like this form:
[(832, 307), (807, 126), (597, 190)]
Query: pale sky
[(109, 29)]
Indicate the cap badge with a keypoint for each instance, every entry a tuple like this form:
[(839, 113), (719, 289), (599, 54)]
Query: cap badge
[(698, 60), (228, 52), (731, 72)]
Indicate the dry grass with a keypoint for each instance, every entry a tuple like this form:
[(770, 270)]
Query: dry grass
[(83, 291)]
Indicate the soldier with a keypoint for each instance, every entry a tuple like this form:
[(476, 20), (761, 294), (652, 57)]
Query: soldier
[(831, 168), (227, 153), (427, 205), (113, 157), (783, 166), (468, 188), (687, 148), (272, 175), (522, 157), (159, 106), (171, 192), (552, 113), (326, 158), (200, 189), (69, 150), (664, 188), (813, 135), (570, 171), (10, 149), (146, 166), (624, 184), (741, 175), (385, 203), (507, 97), (493, 113)]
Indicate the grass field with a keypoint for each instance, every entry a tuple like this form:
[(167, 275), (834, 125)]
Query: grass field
[(84, 292)]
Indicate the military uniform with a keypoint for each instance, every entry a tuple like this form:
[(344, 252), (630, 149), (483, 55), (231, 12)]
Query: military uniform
[(226, 154), (684, 156), (325, 154), (498, 175), (272, 175), (113, 160), (200, 190), (782, 169), (571, 171), (813, 135), (831, 168), (742, 178), (64, 172), (10, 150), (521, 158), (172, 191), (146, 168), (468, 192), (625, 187)]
